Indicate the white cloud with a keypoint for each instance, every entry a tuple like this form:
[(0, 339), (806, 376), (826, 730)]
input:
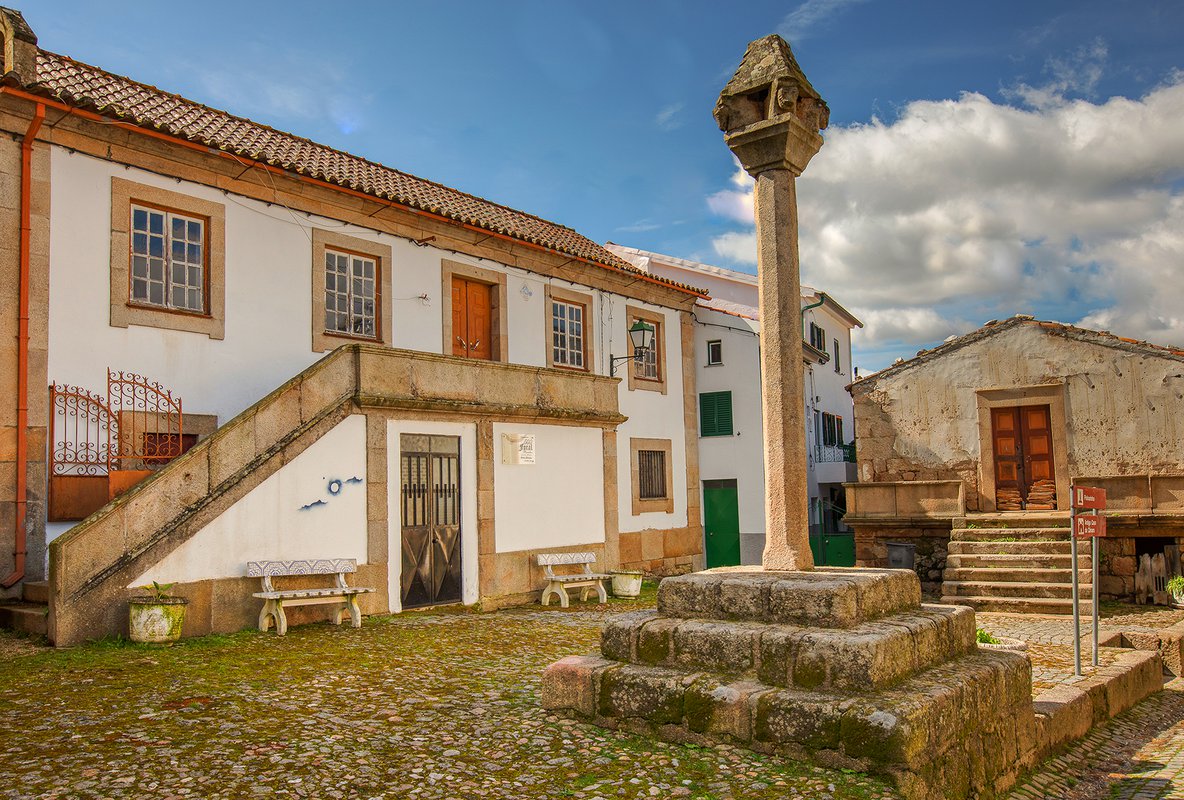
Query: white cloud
[(971, 209), (667, 119), (279, 90), (810, 14)]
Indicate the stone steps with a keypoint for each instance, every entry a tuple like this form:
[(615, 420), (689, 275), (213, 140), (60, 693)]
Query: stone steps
[(1015, 573), (1012, 561), (1011, 520), (1009, 534), (1013, 588), (25, 617), (1014, 605), (1004, 548), (843, 668), (36, 592), (997, 566), (872, 654)]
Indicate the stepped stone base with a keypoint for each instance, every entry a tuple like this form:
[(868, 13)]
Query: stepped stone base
[(845, 667)]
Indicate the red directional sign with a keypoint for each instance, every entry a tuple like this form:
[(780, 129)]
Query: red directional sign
[(1086, 498), (1087, 526)]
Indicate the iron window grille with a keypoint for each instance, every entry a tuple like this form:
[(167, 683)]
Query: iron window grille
[(651, 474), (350, 294), (168, 260)]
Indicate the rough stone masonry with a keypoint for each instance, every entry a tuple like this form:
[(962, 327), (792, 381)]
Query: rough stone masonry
[(844, 667), (771, 117)]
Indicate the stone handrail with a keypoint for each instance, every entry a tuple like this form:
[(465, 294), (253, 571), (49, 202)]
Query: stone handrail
[(905, 499), (92, 563)]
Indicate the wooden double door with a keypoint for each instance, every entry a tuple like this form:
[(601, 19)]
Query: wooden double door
[(472, 319), (1025, 476), (431, 529)]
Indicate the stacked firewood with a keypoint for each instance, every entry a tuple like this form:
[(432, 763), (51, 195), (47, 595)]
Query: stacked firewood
[(1007, 499), (1042, 496)]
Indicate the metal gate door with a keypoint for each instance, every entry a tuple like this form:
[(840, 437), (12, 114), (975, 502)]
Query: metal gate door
[(431, 551)]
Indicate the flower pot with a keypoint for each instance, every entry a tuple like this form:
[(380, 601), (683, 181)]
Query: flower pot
[(155, 621), (626, 583), (1006, 643)]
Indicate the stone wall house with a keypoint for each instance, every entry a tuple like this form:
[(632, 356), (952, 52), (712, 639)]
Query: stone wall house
[(371, 365), (731, 435), (990, 429)]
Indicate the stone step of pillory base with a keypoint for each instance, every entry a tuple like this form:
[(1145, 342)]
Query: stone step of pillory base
[(870, 655), (845, 668), (827, 598)]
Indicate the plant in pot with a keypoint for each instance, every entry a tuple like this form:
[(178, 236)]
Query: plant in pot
[(155, 617), (1175, 589)]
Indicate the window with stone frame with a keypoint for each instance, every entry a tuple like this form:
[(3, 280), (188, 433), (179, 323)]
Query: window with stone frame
[(568, 342), (351, 294), (649, 366), (168, 259), (651, 475)]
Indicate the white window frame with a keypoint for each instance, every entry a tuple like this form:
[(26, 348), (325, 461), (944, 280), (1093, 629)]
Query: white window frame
[(715, 359), (563, 352), (174, 255), (355, 318)]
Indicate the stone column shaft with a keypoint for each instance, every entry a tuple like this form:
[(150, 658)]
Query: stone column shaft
[(787, 536)]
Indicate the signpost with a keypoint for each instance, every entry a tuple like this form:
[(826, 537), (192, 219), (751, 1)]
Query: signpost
[(1092, 526)]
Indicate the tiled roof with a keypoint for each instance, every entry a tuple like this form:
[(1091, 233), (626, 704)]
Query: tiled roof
[(1103, 338), (91, 88)]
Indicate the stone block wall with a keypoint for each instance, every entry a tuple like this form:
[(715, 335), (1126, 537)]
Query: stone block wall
[(36, 397), (932, 543)]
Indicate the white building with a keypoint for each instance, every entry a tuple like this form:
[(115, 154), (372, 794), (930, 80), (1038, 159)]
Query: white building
[(363, 357), (727, 365)]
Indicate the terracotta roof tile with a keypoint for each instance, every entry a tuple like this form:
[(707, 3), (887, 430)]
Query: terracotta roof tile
[(85, 86)]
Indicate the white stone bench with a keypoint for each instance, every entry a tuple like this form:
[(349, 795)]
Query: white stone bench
[(274, 599), (584, 580)]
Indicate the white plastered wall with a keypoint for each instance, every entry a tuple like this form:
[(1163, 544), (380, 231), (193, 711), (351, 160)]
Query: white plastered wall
[(467, 432), (652, 415), (741, 455), (556, 502), (312, 507)]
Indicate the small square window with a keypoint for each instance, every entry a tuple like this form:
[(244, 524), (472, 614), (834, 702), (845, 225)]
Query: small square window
[(715, 353), (651, 475)]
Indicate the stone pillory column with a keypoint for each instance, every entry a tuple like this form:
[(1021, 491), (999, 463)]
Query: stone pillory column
[(771, 116)]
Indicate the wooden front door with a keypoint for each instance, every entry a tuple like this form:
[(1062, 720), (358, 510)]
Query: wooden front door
[(431, 541), (1025, 477), (472, 319)]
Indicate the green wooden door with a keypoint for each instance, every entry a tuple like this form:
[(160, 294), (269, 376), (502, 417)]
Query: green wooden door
[(721, 528)]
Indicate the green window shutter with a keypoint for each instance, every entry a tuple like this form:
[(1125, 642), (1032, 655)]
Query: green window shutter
[(715, 414)]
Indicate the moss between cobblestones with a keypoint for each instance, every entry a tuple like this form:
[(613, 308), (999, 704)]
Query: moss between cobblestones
[(436, 704)]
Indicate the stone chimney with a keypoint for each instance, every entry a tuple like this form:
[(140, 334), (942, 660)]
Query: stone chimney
[(20, 46)]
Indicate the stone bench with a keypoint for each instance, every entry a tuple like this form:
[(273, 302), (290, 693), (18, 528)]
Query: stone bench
[(274, 600), (583, 580)]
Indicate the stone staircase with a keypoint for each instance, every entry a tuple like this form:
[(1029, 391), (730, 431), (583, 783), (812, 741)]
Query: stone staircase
[(843, 667), (29, 614), (1014, 563)]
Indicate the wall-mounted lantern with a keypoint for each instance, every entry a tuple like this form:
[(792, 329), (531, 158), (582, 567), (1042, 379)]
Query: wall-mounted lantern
[(641, 336)]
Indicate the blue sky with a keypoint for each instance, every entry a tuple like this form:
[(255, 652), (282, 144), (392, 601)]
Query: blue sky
[(983, 159)]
